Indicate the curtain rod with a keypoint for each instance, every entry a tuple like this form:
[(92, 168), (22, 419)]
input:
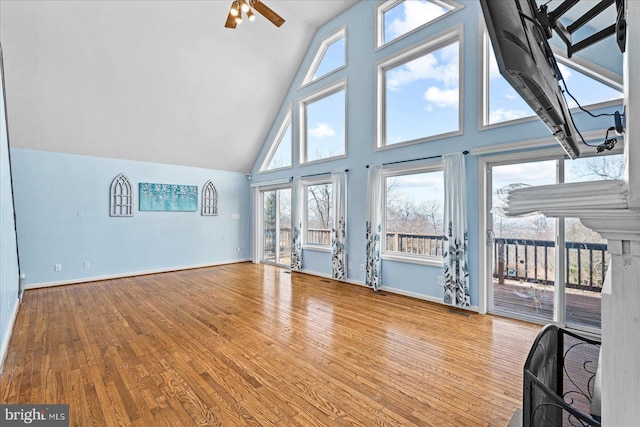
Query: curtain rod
[(465, 152), (318, 174)]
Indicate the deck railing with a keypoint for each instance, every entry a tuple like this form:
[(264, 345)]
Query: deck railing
[(410, 243), (533, 261), (527, 260)]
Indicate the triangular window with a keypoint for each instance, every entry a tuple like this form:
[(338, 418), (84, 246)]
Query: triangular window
[(399, 17), (330, 56), (588, 89), (279, 154)]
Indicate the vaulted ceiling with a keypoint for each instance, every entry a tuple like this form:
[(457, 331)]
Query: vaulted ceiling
[(156, 81)]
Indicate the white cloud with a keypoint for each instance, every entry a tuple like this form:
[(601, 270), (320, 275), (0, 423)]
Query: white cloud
[(415, 13), (442, 97), (566, 71), (494, 71), (502, 115), (322, 130), (444, 69)]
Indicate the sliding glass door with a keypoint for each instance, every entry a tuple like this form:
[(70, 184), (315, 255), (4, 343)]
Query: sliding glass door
[(276, 226), (545, 269), (523, 249)]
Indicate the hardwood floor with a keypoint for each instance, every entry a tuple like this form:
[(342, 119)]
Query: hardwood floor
[(247, 344)]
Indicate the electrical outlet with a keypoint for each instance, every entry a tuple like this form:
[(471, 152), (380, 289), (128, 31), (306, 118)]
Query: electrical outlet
[(85, 264), (349, 265), (361, 267), (57, 267)]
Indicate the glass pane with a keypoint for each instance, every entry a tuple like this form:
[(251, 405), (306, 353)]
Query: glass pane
[(269, 226), (408, 16), (594, 168), (586, 89), (524, 247), (587, 261), (319, 214), (325, 124), (282, 157), (285, 226), (586, 251), (413, 213), (333, 58), (421, 96)]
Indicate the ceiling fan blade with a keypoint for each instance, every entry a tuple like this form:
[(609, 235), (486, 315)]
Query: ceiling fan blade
[(276, 19), (231, 21)]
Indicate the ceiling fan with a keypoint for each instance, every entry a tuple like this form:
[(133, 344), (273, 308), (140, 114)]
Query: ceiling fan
[(238, 7)]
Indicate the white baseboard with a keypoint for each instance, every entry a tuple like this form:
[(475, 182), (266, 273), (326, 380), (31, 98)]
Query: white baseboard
[(4, 348), (129, 274), (429, 298), (393, 291)]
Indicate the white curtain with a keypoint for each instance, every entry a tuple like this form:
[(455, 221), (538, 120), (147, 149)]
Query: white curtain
[(374, 227), (297, 212), (339, 233), (455, 252)]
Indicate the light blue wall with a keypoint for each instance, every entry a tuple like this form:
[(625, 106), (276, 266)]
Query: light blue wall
[(62, 206), (362, 58), (8, 255)]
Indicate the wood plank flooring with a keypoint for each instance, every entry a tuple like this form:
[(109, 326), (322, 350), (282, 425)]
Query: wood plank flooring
[(250, 345)]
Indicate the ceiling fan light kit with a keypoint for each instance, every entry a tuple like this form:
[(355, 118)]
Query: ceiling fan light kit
[(238, 7)]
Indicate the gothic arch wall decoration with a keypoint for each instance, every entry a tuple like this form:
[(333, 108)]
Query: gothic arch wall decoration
[(209, 199), (121, 197)]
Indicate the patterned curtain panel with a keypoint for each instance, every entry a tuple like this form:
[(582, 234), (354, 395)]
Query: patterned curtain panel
[(339, 232), (374, 227), (297, 213), (455, 251)]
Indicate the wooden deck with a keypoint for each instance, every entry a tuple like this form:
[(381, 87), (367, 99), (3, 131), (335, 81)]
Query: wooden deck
[(251, 345), (583, 307)]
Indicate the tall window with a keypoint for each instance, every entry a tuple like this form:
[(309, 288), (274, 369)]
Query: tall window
[(209, 199), (279, 154), (419, 93), (323, 124), (319, 213), (503, 104), (121, 200), (413, 218), (331, 56), (399, 17)]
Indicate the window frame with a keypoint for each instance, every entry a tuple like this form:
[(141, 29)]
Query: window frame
[(209, 199), (386, 6), (583, 66), (388, 172), (319, 56), (306, 183), (121, 197), (275, 144), (302, 116), (439, 41)]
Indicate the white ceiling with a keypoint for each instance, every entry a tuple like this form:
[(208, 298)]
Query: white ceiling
[(156, 81)]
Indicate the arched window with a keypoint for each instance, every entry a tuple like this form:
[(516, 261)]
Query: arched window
[(209, 199), (121, 200)]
